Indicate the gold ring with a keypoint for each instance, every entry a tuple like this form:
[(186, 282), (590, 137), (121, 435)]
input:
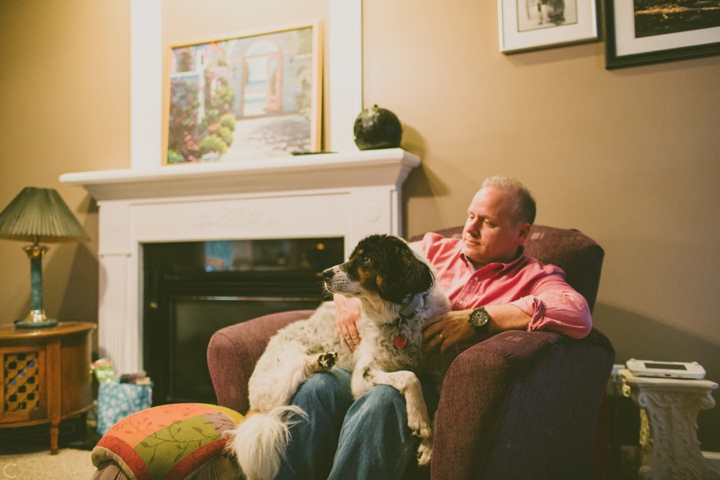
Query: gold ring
[(440, 336)]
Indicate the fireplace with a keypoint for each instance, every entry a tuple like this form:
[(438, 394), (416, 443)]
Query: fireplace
[(193, 289), (343, 196)]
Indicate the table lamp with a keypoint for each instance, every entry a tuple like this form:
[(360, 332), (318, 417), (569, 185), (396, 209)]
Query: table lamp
[(39, 214)]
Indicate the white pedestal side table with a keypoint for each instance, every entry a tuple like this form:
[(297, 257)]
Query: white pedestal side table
[(668, 425)]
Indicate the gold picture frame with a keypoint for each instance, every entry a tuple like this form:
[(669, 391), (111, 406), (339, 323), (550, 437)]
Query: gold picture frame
[(248, 96)]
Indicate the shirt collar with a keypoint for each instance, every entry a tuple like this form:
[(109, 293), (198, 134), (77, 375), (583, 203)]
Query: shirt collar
[(503, 266)]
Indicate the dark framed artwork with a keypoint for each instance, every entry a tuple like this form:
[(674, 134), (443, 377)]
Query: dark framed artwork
[(641, 32), (245, 97)]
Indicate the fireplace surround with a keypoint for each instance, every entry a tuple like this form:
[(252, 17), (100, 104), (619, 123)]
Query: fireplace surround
[(347, 195)]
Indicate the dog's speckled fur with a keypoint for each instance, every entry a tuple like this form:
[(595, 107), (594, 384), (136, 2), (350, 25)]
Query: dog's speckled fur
[(386, 275)]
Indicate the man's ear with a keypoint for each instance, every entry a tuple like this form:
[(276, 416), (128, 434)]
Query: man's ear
[(523, 233)]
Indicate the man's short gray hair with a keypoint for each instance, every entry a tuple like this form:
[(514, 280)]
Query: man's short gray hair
[(525, 208)]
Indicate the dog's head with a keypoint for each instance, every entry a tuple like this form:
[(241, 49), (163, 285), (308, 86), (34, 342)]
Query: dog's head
[(382, 265)]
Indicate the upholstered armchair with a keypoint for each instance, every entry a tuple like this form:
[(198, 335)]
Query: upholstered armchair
[(520, 405)]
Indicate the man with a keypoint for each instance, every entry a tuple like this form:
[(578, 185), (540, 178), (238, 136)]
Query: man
[(492, 287)]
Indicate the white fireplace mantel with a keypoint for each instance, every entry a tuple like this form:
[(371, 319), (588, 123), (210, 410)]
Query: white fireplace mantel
[(302, 172), (348, 195)]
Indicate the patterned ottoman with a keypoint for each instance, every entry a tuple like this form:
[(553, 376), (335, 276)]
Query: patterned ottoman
[(166, 442)]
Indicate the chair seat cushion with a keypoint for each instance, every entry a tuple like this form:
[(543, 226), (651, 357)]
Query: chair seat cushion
[(166, 442)]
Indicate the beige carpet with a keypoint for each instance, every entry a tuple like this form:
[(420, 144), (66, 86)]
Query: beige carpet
[(68, 464)]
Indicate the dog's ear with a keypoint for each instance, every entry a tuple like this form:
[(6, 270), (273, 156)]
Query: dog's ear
[(403, 274)]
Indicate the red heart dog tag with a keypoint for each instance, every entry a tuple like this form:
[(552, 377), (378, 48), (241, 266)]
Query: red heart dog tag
[(400, 342)]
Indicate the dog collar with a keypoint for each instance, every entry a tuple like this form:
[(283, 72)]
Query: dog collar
[(408, 310)]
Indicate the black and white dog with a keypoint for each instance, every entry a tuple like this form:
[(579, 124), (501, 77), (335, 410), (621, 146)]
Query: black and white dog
[(398, 294)]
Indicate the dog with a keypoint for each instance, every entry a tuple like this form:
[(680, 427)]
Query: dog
[(398, 295)]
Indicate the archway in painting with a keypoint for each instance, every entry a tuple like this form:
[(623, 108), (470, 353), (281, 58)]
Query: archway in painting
[(262, 85)]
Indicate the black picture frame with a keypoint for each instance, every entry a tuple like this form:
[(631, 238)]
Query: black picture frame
[(615, 35)]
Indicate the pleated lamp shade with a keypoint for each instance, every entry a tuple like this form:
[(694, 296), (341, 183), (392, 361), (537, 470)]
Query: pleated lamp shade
[(40, 213)]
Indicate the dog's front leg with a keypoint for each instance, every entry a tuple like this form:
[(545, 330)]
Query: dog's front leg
[(408, 384)]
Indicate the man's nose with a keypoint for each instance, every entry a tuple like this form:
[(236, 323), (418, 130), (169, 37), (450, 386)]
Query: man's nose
[(473, 227)]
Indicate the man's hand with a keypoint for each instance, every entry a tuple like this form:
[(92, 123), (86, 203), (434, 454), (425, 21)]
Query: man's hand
[(454, 327), (347, 314), (448, 330)]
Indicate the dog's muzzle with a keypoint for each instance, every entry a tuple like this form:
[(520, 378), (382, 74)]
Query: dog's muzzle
[(328, 274), (335, 279)]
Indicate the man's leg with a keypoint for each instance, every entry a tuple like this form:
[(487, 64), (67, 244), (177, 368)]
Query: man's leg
[(375, 442), (325, 397)]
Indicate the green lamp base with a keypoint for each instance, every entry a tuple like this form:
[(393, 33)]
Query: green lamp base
[(47, 323), (36, 319)]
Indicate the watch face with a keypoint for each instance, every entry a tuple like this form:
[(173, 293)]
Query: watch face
[(479, 318)]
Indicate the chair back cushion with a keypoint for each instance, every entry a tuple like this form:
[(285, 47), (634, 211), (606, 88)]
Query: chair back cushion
[(577, 254)]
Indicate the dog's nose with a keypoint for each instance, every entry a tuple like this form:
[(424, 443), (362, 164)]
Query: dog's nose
[(328, 274)]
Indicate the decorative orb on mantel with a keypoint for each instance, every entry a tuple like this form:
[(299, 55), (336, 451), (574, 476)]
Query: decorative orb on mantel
[(377, 128)]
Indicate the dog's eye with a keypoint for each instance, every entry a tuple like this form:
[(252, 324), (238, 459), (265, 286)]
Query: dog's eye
[(365, 260)]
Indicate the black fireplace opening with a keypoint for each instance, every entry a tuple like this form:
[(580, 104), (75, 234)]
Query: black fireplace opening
[(193, 289)]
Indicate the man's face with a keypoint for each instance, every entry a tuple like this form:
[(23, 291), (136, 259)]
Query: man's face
[(490, 234)]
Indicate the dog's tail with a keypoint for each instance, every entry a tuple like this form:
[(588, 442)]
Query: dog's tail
[(259, 442)]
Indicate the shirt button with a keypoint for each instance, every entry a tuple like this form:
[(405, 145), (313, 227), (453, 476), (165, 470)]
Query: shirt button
[(461, 303)]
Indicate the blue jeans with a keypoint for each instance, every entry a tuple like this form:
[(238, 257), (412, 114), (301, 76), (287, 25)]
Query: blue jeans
[(342, 439)]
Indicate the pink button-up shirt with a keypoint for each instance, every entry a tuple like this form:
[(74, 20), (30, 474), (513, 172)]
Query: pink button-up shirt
[(537, 289)]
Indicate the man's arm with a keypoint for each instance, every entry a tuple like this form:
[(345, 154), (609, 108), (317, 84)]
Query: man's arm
[(347, 313), (553, 306)]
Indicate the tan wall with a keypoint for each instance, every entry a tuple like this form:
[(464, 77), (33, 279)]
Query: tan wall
[(630, 157), (64, 107)]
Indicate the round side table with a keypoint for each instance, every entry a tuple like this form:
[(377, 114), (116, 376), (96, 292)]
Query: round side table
[(668, 425), (46, 375)]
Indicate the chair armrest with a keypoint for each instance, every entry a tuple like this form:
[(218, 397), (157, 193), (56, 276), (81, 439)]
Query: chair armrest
[(233, 352), (517, 396), (474, 395)]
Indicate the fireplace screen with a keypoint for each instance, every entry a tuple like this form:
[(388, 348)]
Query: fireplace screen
[(193, 289)]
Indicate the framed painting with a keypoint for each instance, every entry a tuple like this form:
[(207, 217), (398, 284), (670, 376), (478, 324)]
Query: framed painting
[(642, 32), (534, 24), (246, 97)]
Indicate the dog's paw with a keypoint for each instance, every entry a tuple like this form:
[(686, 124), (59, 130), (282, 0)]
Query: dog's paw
[(418, 423), (326, 361), (424, 452)]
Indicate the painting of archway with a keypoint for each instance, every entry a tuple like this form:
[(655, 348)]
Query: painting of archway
[(246, 97)]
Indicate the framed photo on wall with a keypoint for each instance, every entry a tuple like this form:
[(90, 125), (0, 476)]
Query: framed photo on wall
[(244, 97), (641, 32), (534, 24)]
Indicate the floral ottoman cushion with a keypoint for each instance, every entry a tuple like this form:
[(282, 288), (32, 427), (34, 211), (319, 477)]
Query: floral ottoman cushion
[(166, 442)]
